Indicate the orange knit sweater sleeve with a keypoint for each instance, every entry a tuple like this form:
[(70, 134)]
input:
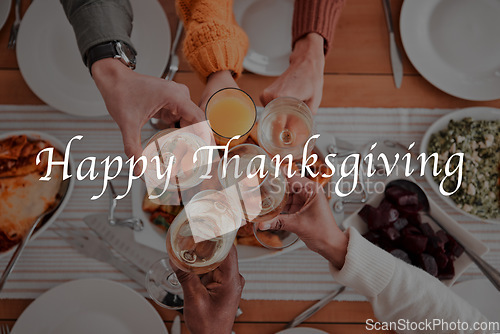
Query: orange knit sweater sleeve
[(214, 41)]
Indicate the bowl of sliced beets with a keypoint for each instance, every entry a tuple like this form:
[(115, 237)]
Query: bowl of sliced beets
[(394, 221)]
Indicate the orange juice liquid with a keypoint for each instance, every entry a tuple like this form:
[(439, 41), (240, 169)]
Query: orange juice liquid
[(230, 117)]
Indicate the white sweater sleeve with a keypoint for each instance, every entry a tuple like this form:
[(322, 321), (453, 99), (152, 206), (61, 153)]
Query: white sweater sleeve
[(397, 290)]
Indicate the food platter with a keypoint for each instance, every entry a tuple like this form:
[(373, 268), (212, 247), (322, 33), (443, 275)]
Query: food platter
[(462, 235), (477, 113), (154, 237), (59, 146)]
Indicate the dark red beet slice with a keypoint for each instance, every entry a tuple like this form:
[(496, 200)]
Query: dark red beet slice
[(435, 245), (401, 197), (447, 272), (409, 210), (401, 254), (441, 260), (372, 236), (443, 236), (428, 263), (411, 230), (391, 233), (453, 248), (414, 219), (427, 230), (415, 244), (387, 211), (400, 223)]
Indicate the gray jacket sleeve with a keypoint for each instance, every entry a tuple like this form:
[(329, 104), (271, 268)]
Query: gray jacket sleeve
[(99, 21)]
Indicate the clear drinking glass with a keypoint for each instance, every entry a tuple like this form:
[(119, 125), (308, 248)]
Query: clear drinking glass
[(198, 240), (285, 126), (262, 196), (231, 112)]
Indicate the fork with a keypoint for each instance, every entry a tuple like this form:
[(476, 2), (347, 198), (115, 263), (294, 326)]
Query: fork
[(15, 26), (89, 244), (5, 329)]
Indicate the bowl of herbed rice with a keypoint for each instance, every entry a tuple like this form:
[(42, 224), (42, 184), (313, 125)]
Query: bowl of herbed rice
[(476, 133)]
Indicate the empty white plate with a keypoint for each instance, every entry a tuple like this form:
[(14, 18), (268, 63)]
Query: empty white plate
[(268, 25), (94, 306), (51, 64), (454, 45), (481, 294)]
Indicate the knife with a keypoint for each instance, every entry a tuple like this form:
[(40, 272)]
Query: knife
[(176, 326), (315, 308), (122, 240), (397, 64)]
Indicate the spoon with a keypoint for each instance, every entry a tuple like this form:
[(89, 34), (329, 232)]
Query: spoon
[(491, 273), (13, 260)]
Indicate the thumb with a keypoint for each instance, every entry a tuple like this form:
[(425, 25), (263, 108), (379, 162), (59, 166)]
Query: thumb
[(284, 222), (132, 147)]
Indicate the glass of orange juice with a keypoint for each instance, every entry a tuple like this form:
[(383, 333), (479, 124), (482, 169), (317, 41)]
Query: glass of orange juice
[(231, 112)]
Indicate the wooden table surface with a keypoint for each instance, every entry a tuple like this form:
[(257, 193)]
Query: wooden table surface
[(358, 74)]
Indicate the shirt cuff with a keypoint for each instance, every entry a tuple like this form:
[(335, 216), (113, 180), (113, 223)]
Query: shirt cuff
[(367, 268), (213, 47), (101, 22), (316, 16)]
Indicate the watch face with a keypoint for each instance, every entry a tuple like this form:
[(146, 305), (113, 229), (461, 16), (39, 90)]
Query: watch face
[(126, 54)]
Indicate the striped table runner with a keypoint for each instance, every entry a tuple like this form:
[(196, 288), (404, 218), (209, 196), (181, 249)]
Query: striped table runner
[(298, 275)]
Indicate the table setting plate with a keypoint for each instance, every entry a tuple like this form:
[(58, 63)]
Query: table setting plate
[(476, 113), (481, 294), (454, 45), (153, 237), (51, 64), (61, 148), (468, 240), (268, 25), (4, 11), (95, 306)]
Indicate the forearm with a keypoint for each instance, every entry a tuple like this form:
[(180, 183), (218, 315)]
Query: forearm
[(316, 16), (99, 21), (398, 290), (214, 42)]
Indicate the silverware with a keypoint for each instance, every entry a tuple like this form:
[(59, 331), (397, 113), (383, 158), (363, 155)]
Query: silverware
[(172, 68), (397, 64), (122, 240), (134, 223), (491, 273), (5, 329), (90, 245), (173, 62), (15, 26), (13, 260), (315, 308), (176, 325)]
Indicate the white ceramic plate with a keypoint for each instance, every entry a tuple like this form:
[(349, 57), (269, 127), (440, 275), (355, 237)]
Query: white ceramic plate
[(462, 235), (51, 64), (454, 45), (481, 294), (478, 113), (302, 330), (4, 11), (268, 25), (95, 306), (61, 148), (153, 237)]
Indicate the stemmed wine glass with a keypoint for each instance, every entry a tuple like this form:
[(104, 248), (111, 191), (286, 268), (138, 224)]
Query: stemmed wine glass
[(248, 174), (197, 241), (285, 126)]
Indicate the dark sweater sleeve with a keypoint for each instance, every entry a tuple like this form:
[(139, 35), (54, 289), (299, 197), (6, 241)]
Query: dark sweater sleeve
[(319, 16), (99, 21)]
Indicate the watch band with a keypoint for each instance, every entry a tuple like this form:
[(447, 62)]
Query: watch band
[(110, 50)]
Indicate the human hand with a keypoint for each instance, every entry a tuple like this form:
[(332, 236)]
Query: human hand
[(132, 99), (211, 300), (312, 220), (215, 82), (303, 78)]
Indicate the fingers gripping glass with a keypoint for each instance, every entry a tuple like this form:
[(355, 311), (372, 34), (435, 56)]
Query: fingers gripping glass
[(198, 240)]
